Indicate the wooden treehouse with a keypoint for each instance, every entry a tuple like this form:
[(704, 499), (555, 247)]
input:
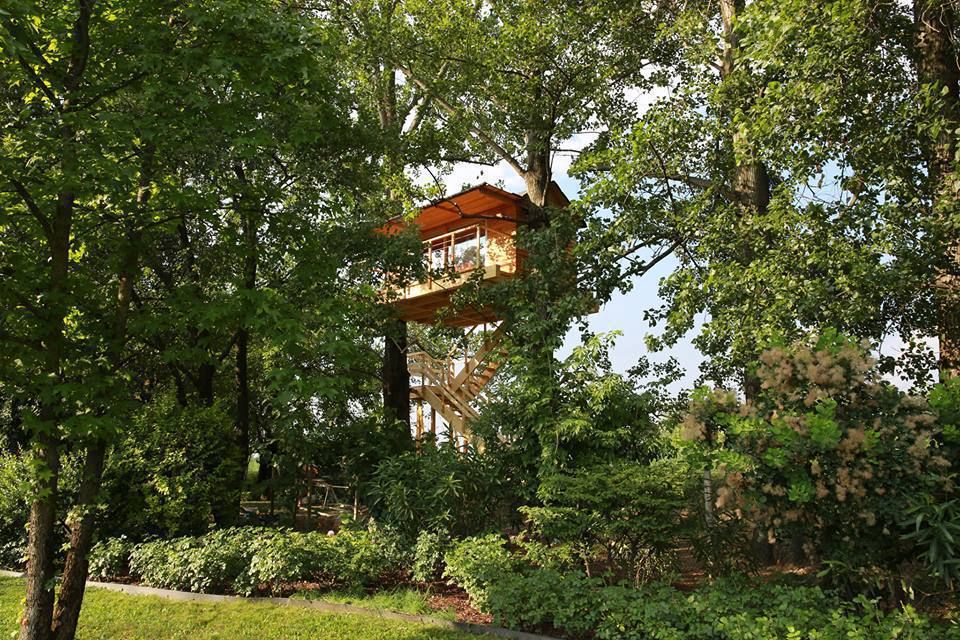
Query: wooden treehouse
[(469, 236)]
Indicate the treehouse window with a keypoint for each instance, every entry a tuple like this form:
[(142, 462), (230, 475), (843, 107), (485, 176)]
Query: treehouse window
[(461, 250)]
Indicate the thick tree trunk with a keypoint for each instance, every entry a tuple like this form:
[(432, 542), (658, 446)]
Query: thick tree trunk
[(751, 183), (937, 67), (396, 382)]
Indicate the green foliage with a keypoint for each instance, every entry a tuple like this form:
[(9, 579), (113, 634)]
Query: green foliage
[(625, 515), (944, 400), (14, 509), (597, 416), (727, 609), (169, 471), (844, 233), (438, 489), (253, 560), (110, 558), (934, 530), (428, 555), (476, 563)]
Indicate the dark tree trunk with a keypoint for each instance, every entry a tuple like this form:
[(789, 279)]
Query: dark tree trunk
[(396, 382), (81, 538), (205, 376), (181, 388), (248, 225), (937, 66), (243, 397), (83, 523)]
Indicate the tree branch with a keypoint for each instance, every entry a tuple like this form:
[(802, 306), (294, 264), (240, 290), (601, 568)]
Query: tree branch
[(110, 91), (32, 207), (485, 137)]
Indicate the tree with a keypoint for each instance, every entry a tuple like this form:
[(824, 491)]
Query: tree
[(846, 188), (165, 93), (938, 72)]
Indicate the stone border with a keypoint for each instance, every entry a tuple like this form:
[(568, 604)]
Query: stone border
[(318, 605)]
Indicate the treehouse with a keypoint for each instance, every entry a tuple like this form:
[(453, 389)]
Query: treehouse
[(467, 237)]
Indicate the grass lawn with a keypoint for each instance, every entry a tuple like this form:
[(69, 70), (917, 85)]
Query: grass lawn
[(116, 616), (401, 600)]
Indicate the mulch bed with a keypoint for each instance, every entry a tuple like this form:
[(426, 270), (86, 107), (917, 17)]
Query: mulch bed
[(444, 597)]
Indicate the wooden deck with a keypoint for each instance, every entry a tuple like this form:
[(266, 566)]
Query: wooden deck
[(422, 302)]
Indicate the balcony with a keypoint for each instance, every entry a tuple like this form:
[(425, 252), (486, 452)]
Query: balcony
[(478, 251)]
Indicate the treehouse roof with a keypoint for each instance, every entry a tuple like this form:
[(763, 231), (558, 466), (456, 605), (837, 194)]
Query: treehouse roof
[(481, 202)]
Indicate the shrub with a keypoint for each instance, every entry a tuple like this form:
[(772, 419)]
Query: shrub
[(250, 560), (476, 563), (935, 531), (14, 509), (170, 472), (428, 555), (163, 563), (828, 451), (110, 558), (728, 609), (628, 511), (438, 489)]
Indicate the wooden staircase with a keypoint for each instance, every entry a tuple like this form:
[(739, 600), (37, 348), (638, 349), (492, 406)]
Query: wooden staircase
[(450, 392)]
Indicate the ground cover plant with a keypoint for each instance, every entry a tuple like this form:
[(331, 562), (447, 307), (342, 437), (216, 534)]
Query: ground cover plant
[(252, 560), (521, 593)]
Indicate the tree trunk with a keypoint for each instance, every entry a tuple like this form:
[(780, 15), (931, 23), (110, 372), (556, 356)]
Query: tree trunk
[(249, 232), (937, 67), (709, 516), (751, 183), (38, 610), (396, 382), (81, 538), (205, 376), (83, 522)]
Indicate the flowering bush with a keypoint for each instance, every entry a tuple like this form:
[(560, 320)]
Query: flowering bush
[(827, 451)]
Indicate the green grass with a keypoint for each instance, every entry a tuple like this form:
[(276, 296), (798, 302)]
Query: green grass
[(115, 616), (400, 600)]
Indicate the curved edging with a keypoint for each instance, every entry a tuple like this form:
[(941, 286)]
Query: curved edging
[(317, 605)]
